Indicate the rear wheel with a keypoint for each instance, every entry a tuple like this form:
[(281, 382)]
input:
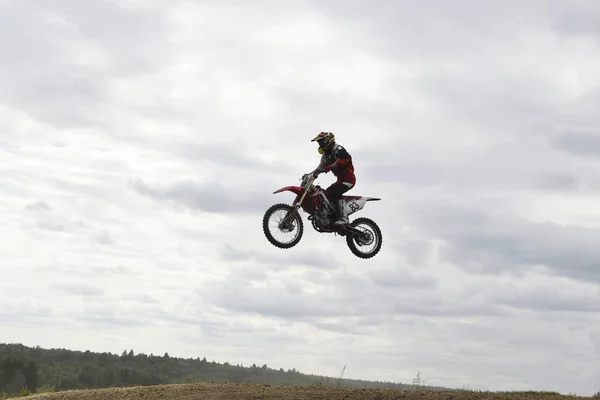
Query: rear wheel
[(367, 244), (275, 225)]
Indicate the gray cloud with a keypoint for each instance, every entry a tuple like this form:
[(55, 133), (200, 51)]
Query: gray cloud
[(579, 23), (85, 271), (580, 144), (39, 205), (547, 294), (117, 270), (545, 299), (102, 237), (79, 56), (401, 278), (556, 181), (351, 295), (51, 226), (309, 257), (143, 298), (206, 196), (489, 241), (78, 289), (25, 311), (230, 157)]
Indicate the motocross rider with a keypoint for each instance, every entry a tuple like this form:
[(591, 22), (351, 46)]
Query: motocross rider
[(336, 159)]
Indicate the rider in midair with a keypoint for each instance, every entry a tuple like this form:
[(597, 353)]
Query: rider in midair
[(336, 159)]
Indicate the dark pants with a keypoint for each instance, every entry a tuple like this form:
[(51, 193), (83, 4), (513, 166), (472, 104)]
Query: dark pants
[(334, 193)]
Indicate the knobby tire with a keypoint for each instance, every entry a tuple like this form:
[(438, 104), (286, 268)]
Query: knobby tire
[(297, 219), (378, 236)]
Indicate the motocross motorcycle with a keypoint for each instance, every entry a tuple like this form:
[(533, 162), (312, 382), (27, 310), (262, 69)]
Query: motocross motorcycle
[(322, 214)]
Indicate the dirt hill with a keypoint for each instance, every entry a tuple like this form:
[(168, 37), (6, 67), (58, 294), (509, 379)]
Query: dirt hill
[(219, 391)]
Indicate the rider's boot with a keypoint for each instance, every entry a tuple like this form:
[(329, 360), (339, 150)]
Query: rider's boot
[(343, 219)]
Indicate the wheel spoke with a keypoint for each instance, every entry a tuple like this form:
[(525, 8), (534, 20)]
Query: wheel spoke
[(370, 238), (275, 228), (281, 234)]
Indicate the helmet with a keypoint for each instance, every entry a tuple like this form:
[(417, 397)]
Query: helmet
[(325, 141)]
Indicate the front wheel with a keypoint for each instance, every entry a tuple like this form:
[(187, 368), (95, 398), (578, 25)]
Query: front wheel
[(370, 237), (281, 226)]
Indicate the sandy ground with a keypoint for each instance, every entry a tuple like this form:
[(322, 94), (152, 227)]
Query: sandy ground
[(221, 391)]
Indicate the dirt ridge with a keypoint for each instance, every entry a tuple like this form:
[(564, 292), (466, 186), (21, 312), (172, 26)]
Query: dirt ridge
[(221, 391)]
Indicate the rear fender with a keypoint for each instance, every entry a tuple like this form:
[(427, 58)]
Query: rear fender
[(353, 204)]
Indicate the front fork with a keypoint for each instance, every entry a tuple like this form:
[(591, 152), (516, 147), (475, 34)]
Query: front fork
[(286, 222)]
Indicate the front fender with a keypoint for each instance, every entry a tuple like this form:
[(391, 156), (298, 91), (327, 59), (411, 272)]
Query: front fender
[(294, 189), (308, 204)]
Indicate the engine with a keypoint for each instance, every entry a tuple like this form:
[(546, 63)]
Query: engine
[(322, 219)]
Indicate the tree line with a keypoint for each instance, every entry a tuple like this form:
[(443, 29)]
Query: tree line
[(33, 368)]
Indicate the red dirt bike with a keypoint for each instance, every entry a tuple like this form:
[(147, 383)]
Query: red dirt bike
[(312, 199)]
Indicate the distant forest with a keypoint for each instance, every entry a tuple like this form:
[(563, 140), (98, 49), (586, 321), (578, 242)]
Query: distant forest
[(34, 369)]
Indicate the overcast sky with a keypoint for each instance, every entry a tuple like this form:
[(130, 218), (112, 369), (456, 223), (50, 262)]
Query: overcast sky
[(141, 141)]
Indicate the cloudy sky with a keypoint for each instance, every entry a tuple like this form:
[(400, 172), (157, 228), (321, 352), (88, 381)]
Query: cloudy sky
[(141, 141)]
